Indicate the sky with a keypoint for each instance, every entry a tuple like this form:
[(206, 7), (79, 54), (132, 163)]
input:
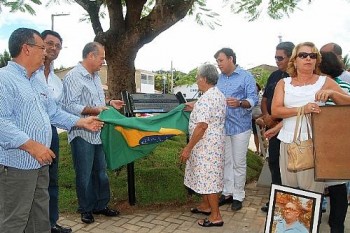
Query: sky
[(186, 45)]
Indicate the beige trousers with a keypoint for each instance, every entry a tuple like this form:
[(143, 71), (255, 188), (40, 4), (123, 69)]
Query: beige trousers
[(302, 179)]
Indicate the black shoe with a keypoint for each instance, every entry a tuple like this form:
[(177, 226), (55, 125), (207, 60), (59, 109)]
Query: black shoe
[(87, 217), (265, 209), (107, 212), (60, 229), (225, 200), (236, 205)]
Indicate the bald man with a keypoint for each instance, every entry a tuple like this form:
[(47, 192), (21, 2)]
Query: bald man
[(335, 48)]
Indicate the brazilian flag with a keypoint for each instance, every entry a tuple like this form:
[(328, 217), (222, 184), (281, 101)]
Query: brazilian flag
[(125, 139)]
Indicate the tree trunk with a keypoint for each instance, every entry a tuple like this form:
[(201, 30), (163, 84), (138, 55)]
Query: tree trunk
[(128, 32)]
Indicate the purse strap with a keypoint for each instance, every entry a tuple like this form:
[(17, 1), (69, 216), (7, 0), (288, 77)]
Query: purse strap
[(297, 124), (297, 131)]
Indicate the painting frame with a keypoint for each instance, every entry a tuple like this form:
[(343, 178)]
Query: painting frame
[(308, 202)]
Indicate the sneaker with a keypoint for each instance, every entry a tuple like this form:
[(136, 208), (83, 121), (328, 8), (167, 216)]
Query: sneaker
[(236, 205)]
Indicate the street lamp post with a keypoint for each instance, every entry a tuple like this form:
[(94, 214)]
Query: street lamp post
[(53, 16), (164, 84)]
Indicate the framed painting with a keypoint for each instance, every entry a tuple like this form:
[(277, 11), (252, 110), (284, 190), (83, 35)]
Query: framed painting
[(293, 209)]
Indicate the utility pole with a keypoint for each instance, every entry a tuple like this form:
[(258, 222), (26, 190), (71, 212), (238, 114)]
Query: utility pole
[(172, 78), (53, 17)]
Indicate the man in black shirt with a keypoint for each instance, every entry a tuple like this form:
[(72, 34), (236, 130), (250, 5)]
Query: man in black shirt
[(282, 55)]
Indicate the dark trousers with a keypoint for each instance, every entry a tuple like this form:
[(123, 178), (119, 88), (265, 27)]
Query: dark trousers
[(274, 156), (338, 207), (53, 174)]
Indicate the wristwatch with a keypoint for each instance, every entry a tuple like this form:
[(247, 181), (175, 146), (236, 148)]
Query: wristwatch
[(240, 103)]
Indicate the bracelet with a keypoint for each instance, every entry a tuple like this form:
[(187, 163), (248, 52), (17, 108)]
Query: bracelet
[(109, 102)]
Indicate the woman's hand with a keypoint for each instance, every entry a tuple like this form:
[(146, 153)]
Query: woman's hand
[(189, 106), (312, 108), (185, 154), (323, 95)]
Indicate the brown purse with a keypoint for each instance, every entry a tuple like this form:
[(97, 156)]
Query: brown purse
[(301, 153)]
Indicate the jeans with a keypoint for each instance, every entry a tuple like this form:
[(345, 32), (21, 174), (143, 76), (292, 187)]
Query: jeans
[(53, 174), (92, 184)]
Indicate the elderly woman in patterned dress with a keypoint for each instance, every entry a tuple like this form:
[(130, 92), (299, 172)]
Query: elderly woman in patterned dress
[(204, 154)]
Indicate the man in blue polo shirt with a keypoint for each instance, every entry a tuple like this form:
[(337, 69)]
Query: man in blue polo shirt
[(239, 88)]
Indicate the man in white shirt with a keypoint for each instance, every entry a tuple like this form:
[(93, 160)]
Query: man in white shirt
[(53, 46)]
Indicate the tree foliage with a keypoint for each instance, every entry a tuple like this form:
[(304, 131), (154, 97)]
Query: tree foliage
[(4, 58), (20, 5), (134, 23)]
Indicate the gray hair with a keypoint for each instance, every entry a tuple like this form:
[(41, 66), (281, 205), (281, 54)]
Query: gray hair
[(91, 47), (209, 72)]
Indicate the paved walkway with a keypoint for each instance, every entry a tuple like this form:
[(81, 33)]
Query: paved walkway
[(249, 219)]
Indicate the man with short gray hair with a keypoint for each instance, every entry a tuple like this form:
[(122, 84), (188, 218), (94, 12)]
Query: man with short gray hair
[(83, 96)]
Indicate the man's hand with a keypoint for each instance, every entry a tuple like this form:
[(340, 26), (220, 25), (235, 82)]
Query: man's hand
[(117, 104), (90, 123), (39, 151)]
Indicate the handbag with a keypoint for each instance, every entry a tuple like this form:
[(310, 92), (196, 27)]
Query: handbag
[(301, 153)]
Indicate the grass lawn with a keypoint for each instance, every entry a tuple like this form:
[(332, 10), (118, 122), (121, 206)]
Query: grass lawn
[(158, 177)]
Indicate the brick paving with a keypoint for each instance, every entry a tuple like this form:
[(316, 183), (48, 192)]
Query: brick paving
[(249, 219)]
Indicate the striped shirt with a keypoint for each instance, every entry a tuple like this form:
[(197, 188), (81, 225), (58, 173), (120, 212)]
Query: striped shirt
[(240, 85), (26, 110), (343, 85), (80, 90)]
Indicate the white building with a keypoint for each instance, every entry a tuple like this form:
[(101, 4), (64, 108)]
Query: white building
[(188, 91), (144, 79)]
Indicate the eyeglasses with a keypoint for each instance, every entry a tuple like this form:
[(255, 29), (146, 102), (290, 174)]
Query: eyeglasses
[(52, 45), (290, 209), (279, 58), (304, 55), (39, 46)]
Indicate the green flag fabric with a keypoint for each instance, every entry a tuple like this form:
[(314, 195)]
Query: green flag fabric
[(125, 139)]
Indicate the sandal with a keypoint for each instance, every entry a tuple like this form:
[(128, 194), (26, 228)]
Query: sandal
[(198, 211), (208, 223)]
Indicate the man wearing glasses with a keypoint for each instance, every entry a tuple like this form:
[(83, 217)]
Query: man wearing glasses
[(282, 55), (26, 113), (290, 222), (53, 46)]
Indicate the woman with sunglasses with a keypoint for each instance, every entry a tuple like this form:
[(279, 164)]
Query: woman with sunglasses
[(305, 88)]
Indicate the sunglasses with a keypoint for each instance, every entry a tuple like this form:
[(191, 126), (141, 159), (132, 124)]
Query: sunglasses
[(304, 55), (279, 58)]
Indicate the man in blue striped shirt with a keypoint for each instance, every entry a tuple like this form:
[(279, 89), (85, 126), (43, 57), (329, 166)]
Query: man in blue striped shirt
[(239, 88), (26, 114), (83, 96)]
